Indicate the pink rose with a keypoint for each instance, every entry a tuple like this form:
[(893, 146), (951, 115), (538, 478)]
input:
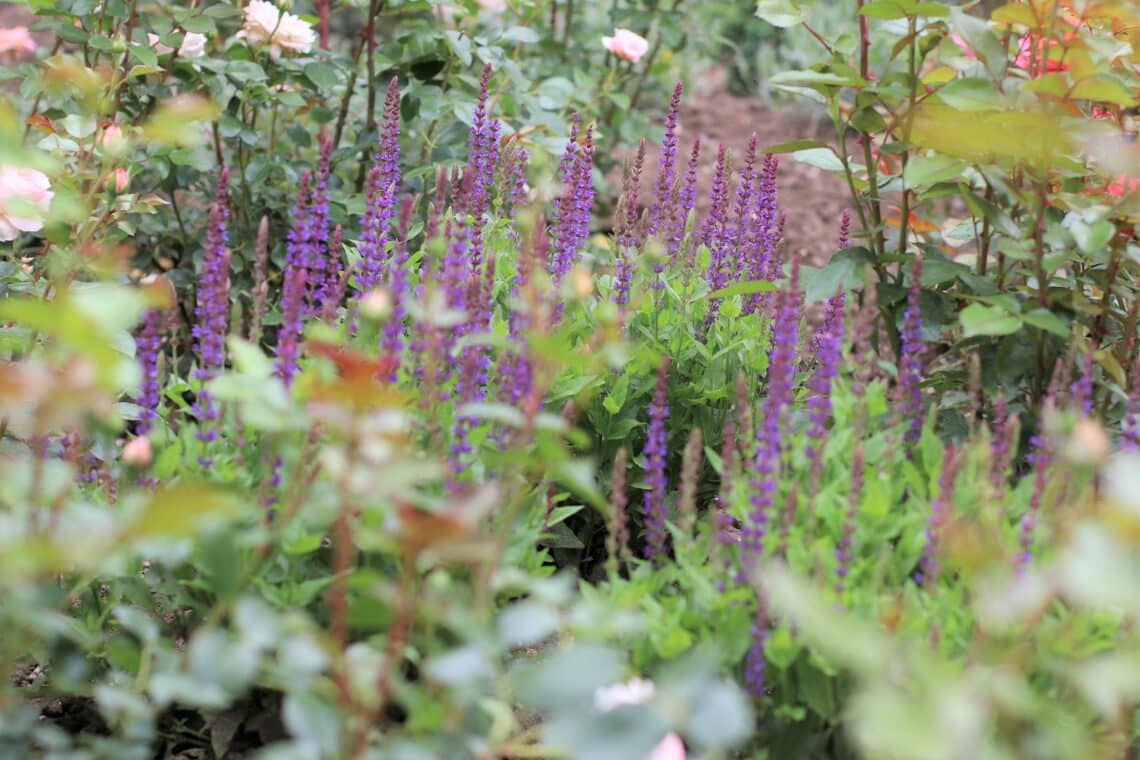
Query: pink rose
[(25, 196), (15, 41), (627, 45), (138, 452), (670, 748)]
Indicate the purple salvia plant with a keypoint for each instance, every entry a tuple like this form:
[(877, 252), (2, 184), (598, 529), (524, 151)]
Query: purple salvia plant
[(296, 242), (212, 311), (628, 240), (718, 196), (516, 375), (388, 155), (1081, 390), (686, 201), (736, 235), (843, 552), (656, 450), (392, 340), (726, 534), (844, 230), (1040, 459), (380, 204), (1130, 425), (565, 218), (292, 322), (759, 259), (690, 475), (769, 434), (940, 508), (148, 345), (756, 661), (260, 291), (827, 356), (666, 167), (618, 538), (712, 231), (1003, 437), (323, 263), (333, 295), (910, 360)]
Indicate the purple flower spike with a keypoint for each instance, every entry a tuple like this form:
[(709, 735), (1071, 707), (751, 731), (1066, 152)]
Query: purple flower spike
[(1081, 390), (628, 240), (1130, 427), (939, 514), (843, 553), (388, 156), (827, 355), (769, 434), (666, 166), (292, 322), (686, 202), (735, 238), (212, 311), (323, 268), (713, 228), (756, 661), (844, 230), (148, 344), (910, 362), (760, 259), (1040, 458), (656, 449)]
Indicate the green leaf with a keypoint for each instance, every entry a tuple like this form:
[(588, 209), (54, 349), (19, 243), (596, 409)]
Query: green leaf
[(978, 319), (743, 289), (794, 145), (883, 9), (1104, 88), (179, 511), (823, 158), (323, 75), (780, 13), (929, 170), (1046, 320)]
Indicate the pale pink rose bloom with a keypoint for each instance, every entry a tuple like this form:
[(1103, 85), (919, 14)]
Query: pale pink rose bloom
[(193, 45), (282, 32), (112, 139), (627, 45), (25, 197), (15, 41), (138, 452), (635, 692), (670, 748)]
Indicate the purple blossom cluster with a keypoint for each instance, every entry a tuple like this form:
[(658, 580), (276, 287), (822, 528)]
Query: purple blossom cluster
[(770, 434), (910, 359), (843, 552), (572, 214), (655, 453), (148, 345), (828, 352), (930, 564), (211, 312)]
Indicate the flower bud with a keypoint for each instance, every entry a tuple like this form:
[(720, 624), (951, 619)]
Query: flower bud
[(376, 305), (138, 452), (1087, 444), (118, 180)]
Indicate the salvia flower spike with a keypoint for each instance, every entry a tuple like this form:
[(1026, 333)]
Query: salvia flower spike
[(655, 453), (910, 360), (666, 166), (212, 311)]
